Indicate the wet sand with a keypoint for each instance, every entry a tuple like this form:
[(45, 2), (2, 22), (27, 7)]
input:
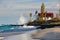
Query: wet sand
[(8, 34), (47, 34)]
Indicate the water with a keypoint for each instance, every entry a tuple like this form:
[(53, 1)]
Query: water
[(46, 34), (15, 29), (8, 27), (25, 36), (8, 30)]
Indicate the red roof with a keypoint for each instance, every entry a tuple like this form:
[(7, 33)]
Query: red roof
[(49, 14)]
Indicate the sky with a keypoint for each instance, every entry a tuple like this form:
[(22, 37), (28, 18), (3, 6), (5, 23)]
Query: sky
[(11, 10)]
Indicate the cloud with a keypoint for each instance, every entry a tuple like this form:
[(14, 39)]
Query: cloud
[(14, 8), (16, 5)]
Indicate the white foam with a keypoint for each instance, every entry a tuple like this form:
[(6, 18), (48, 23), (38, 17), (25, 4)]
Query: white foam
[(27, 26), (22, 20), (12, 28), (1, 37)]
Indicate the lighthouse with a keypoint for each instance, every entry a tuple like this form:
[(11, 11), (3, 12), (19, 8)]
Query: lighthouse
[(44, 15), (42, 8)]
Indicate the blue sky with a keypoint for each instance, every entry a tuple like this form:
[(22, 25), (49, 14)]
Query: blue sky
[(11, 10)]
